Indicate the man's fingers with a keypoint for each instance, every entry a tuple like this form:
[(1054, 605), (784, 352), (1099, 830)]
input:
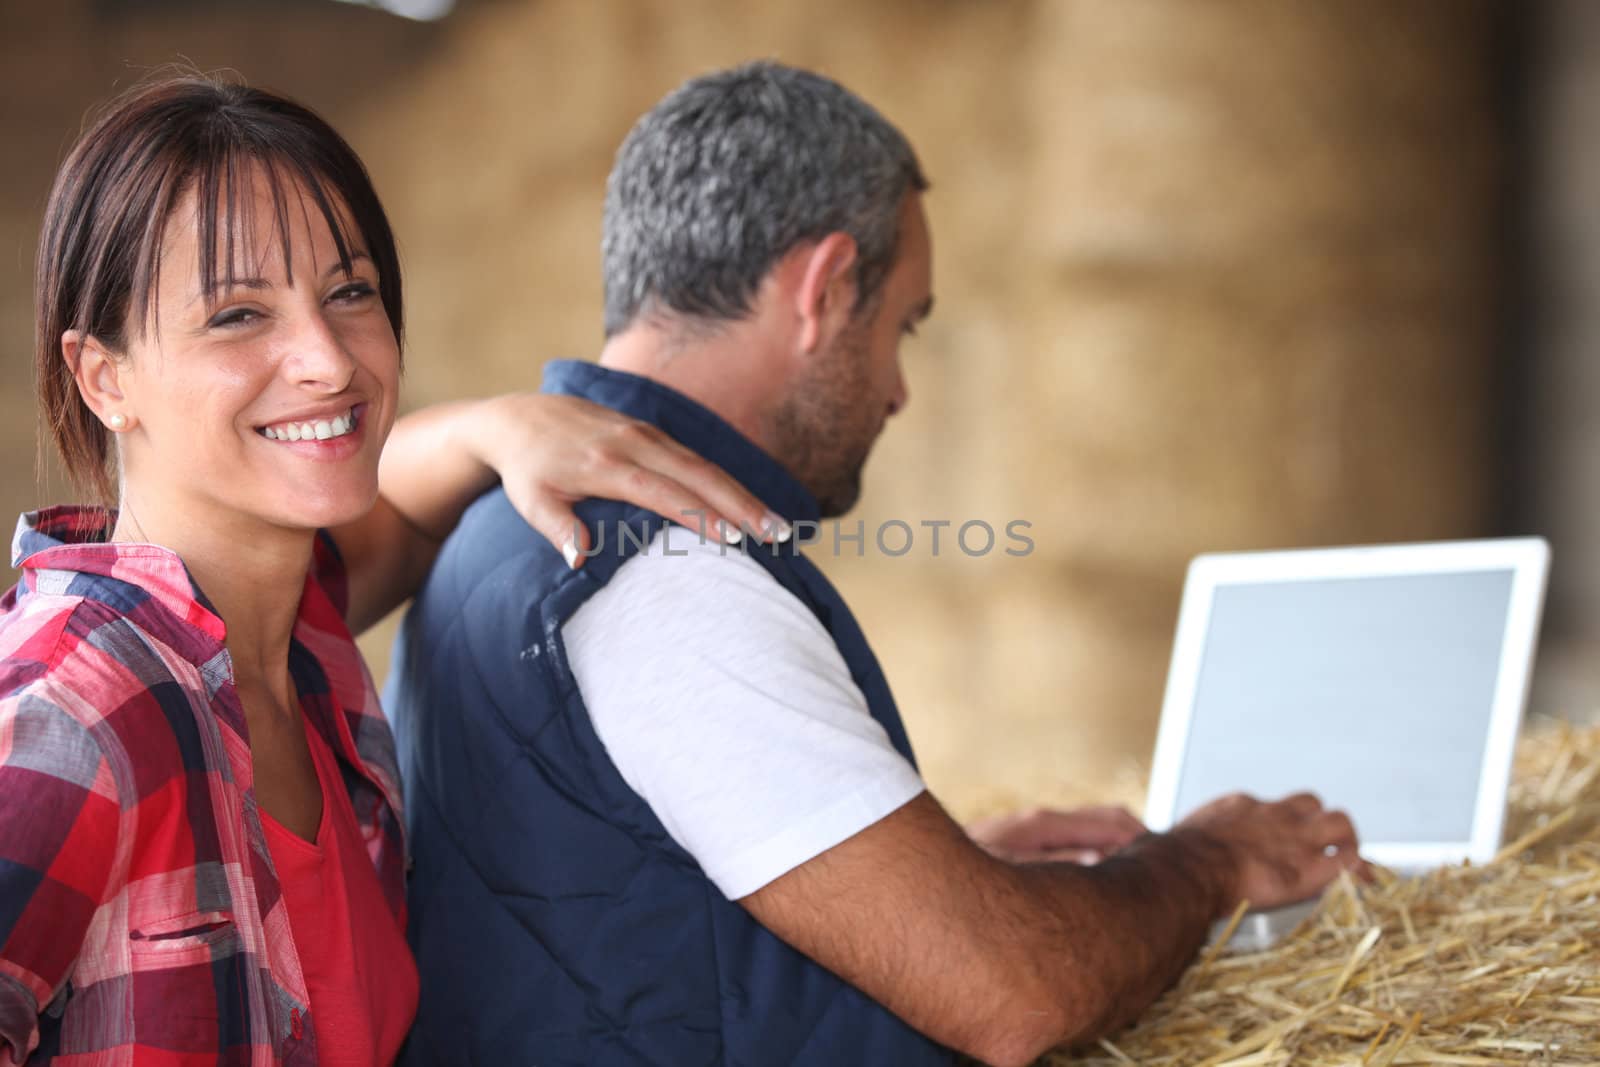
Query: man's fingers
[(1349, 859), (1102, 828), (1083, 857), (1303, 805), (1321, 871), (1332, 829), (1286, 850), (1045, 834), (1330, 838), (1121, 826), (1340, 854)]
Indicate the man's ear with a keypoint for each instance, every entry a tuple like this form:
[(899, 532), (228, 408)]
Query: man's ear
[(99, 375), (827, 293)]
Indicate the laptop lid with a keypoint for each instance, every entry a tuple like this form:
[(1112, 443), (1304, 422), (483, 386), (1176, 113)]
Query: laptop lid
[(1389, 680)]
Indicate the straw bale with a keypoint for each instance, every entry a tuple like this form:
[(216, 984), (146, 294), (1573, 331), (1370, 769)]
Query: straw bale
[(1498, 964)]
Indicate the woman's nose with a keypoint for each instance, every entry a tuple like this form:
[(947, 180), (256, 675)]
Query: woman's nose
[(319, 358)]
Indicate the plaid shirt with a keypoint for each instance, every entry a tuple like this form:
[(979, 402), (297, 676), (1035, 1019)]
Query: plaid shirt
[(141, 922)]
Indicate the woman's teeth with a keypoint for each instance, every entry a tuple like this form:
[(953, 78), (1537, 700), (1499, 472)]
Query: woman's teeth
[(319, 430)]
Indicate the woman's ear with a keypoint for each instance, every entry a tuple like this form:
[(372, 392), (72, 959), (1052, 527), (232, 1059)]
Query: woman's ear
[(99, 376), (826, 297)]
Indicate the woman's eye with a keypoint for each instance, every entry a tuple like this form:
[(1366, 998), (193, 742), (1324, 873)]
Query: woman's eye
[(352, 293), (234, 317)]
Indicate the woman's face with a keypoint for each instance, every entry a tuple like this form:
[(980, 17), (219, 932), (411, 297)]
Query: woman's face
[(271, 402)]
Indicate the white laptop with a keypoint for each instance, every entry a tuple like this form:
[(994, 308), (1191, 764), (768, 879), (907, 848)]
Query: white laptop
[(1389, 680)]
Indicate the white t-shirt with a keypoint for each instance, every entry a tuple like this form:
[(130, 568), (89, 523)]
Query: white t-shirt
[(727, 707)]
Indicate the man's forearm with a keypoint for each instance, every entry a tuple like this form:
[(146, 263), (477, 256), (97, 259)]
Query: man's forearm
[(1005, 961), (1132, 922)]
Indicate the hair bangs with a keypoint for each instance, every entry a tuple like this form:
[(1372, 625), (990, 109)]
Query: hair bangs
[(228, 234)]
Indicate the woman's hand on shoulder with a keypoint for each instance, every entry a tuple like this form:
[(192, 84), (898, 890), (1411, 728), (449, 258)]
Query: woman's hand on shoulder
[(553, 451), (549, 452)]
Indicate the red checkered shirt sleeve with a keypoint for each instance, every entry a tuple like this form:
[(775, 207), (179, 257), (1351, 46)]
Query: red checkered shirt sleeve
[(59, 819)]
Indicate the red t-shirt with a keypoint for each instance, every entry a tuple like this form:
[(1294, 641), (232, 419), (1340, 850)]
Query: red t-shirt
[(359, 972)]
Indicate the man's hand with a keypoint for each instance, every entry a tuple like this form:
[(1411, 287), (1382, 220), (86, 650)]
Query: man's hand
[(1272, 854), (1045, 835)]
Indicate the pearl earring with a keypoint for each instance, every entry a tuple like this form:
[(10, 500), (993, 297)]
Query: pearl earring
[(118, 421)]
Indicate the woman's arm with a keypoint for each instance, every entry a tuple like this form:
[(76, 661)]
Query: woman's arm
[(550, 452), (60, 816)]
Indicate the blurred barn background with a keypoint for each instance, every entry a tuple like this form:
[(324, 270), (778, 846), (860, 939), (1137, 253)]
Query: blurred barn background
[(1211, 275)]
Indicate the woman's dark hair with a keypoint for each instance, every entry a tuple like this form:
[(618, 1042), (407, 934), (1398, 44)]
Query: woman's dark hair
[(100, 246)]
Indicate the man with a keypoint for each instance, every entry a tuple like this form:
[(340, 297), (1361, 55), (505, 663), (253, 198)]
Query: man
[(663, 809)]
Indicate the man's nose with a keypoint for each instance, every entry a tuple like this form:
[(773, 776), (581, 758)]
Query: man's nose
[(900, 396)]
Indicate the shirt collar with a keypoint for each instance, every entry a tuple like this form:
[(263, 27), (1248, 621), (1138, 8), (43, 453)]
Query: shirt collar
[(72, 539), (691, 424)]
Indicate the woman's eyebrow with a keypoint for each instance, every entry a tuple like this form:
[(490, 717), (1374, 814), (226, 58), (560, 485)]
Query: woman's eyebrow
[(226, 285), (338, 268), (262, 283)]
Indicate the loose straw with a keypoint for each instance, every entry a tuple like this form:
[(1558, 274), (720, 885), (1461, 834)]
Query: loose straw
[(1469, 966)]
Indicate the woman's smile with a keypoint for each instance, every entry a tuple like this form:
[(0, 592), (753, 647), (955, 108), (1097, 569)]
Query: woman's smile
[(320, 435)]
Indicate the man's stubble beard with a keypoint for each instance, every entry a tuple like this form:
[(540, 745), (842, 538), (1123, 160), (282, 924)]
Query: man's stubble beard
[(828, 423)]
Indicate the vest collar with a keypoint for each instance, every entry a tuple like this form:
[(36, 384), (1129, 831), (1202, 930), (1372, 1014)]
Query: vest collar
[(692, 425)]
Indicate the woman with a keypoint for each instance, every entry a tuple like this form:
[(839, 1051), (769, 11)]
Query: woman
[(201, 855)]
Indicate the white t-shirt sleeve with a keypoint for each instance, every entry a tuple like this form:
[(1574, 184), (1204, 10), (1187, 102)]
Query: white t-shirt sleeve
[(725, 705)]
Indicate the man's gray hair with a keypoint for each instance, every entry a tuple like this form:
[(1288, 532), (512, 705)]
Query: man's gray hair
[(732, 170)]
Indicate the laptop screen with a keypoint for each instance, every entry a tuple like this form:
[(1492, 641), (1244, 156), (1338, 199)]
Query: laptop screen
[(1374, 692)]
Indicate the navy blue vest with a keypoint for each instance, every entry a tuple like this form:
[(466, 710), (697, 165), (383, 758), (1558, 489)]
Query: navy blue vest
[(554, 919)]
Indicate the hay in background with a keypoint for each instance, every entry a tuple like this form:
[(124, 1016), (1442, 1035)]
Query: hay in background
[(1467, 965)]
